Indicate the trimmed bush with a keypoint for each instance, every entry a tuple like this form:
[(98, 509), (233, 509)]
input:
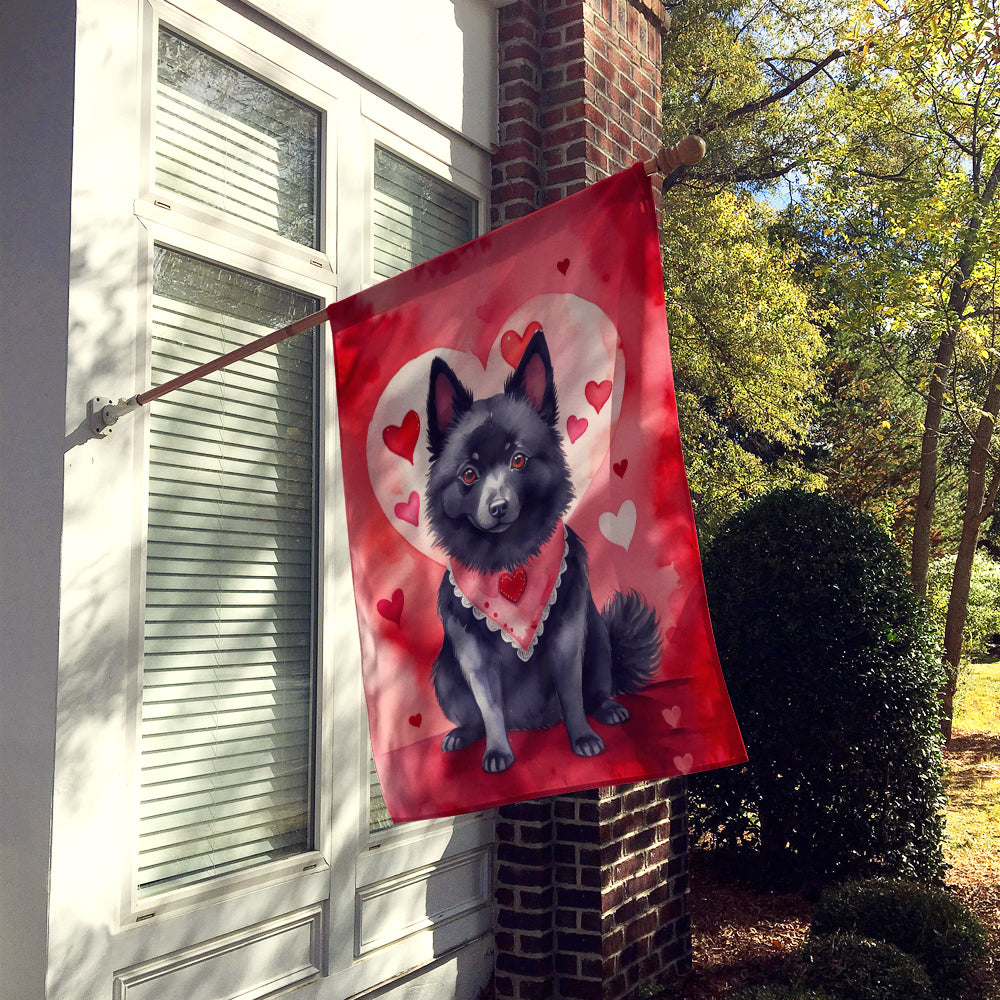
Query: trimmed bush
[(856, 968), (925, 922), (833, 672)]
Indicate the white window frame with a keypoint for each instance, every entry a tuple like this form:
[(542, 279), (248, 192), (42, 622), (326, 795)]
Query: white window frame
[(350, 871)]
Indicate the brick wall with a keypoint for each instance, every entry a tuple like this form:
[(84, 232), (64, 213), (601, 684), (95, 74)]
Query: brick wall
[(591, 892), (591, 888), (579, 96)]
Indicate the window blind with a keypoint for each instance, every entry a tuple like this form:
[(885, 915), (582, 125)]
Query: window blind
[(228, 655), (228, 140), (415, 216)]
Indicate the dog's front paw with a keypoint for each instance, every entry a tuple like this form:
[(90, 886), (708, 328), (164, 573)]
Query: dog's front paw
[(611, 713), (460, 737), (588, 745), (495, 761)]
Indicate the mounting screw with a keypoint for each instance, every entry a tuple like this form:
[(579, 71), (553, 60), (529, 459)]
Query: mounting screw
[(101, 415)]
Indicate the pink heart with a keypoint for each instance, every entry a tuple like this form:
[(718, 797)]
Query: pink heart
[(512, 345), (392, 610), (563, 265), (415, 720), (402, 440), (620, 468), (672, 716), (575, 428), (598, 393), (409, 511), (684, 762)]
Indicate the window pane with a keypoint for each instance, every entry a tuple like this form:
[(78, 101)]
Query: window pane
[(416, 215), (228, 659), (228, 140)]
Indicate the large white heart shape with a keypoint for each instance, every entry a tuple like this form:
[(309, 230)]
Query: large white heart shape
[(589, 371)]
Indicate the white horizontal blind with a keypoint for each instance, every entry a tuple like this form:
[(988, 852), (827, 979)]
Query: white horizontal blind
[(225, 139), (228, 660), (416, 216)]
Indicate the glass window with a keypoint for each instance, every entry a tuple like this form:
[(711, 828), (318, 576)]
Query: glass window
[(416, 216), (228, 680), (228, 140)]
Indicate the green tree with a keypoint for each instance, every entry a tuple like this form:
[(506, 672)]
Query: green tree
[(910, 181), (747, 354)]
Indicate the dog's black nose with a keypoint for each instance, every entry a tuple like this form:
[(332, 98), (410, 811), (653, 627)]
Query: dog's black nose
[(499, 507)]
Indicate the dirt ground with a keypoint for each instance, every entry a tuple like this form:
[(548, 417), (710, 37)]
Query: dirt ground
[(742, 935)]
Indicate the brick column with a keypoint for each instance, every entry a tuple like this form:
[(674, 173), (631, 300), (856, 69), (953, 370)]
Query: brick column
[(591, 889)]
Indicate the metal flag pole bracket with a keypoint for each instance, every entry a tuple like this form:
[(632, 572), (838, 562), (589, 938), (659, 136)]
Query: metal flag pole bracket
[(103, 413)]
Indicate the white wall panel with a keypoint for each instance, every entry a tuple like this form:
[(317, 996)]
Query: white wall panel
[(439, 55)]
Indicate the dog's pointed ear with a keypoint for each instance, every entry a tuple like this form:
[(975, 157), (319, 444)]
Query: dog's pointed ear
[(447, 399), (533, 380)]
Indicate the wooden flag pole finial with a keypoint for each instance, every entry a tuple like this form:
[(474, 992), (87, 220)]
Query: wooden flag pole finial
[(668, 158)]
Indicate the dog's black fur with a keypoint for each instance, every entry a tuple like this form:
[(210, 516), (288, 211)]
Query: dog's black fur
[(497, 487)]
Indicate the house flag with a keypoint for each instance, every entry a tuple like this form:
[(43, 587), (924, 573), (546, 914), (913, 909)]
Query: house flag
[(529, 593)]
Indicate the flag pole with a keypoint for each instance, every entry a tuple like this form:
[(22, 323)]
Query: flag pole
[(103, 413)]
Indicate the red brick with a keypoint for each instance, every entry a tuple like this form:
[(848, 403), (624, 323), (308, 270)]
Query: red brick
[(521, 130), (562, 53), (532, 944), (535, 990), (581, 989), (532, 899)]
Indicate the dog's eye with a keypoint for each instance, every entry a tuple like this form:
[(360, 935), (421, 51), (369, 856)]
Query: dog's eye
[(518, 461), (469, 475)]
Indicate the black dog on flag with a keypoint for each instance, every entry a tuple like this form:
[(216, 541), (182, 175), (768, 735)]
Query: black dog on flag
[(524, 644)]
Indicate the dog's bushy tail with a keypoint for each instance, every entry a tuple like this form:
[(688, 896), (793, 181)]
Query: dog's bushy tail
[(634, 631)]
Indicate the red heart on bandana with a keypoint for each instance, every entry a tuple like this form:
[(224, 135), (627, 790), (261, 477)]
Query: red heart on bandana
[(563, 265), (402, 440), (392, 610), (598, 393), (512, 585), (512, 346), (415, 720), (620, 468)]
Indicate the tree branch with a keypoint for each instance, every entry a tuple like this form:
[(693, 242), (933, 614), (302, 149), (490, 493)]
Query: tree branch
[(753, 107)]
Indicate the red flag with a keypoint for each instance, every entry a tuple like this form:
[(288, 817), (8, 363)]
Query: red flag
[(529, 592)]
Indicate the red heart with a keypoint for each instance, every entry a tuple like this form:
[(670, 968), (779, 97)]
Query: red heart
[(575, 428), (402, 440), (563, 265), (512, 585), (392, 610), (512, 346), (415, 720), (598, 393), (620, 468), (409, 511)]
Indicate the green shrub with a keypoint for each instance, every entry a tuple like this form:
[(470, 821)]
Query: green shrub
[(833, 673), (856, 968), (925, 922)]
